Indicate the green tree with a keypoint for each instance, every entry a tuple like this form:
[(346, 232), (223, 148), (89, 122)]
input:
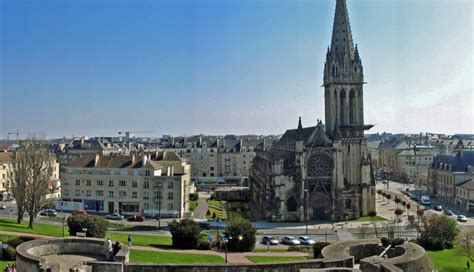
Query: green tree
[(96, 225), (185, 233), (437, 232), (241, 234)]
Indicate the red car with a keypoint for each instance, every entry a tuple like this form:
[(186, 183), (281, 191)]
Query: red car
[(137, 218), (79, 212)]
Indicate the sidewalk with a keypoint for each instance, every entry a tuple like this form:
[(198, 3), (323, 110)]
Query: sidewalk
[(201, 209)]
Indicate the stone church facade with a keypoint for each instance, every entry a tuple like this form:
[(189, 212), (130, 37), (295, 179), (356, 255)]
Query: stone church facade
[(322, 172)]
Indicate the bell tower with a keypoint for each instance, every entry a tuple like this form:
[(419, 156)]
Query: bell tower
[(343, 81)]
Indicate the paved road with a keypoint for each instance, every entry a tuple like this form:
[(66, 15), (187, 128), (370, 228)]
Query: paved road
[(201, 209)]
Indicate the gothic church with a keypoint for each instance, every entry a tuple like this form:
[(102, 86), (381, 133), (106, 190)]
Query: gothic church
[(322, 172)]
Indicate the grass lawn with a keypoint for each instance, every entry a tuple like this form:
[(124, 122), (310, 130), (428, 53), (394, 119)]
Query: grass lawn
[(275, 259), (140, 240), (4, 263), (192, 205), (217, 207), (271, 250), (368, 219), (39, 228), (448, 260), (143, 256)]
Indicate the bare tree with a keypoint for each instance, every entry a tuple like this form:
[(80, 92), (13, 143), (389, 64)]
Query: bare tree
[(465, 241), (32, 171)]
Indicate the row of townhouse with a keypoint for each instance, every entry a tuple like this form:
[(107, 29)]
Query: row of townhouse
[(215, 160), (450, 178), (155, 183)]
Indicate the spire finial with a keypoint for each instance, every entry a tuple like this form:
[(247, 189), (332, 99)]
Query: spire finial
[(299, 131)]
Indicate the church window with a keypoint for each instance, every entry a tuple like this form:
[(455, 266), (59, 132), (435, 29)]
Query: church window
[(291, 204), (319, 165), (351, 107), (342, 106)]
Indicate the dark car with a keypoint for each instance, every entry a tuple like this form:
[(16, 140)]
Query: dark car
[(449, 213), (205, 225), (438, 208), (136, 218)]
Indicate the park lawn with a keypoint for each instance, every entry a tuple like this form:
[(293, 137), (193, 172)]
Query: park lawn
[(4, 263), (275, 259), (143, 256), (39, 228), (140, 239), (448, 260), (216, 207), (368, 219), (271, 250)]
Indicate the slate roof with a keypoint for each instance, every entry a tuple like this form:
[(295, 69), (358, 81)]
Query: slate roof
[(467, 184), (459, 162), (124, 161)]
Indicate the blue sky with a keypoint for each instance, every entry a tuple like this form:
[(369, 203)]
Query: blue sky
[(227, 67)]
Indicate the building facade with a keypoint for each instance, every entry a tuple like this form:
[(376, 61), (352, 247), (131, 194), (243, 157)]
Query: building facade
[(152, 183), (322, 172)]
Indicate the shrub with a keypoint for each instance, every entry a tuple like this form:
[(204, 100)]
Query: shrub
[(185, 233), (385, 241), (404, 203), (96, 225), (397, 242), (9, 254), (14, 242), (318, 247), (398, 212), (438, 232), (379, 192), (193, 196), (204, 245), (239, 227), (299, 248), (389, 196), (208, 213), (420, 212), (372, 213)]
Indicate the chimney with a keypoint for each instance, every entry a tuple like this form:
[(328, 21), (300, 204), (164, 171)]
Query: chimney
[(96, 159), (144, 159)]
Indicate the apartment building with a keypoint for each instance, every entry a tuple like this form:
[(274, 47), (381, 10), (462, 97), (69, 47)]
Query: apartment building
[(155, 183), (448, 171), (6, 162)]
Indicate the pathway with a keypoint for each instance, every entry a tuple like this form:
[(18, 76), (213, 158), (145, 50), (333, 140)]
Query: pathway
[(201, 209), (344, 235)]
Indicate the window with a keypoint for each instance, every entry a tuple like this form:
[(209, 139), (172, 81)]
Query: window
[(147, 173), (66, 192), (134, 184), (123, 194), (170, 206), (99, 193), (145, 195), (212, 168), (158, 184), (111, 183), (78, 182), (111, 193), (146, 184), (88, 192), (146, 206), (88, 182), (170, 195), (123, 183), (170, 185), (100, 183), (134, 194), (77, 192)]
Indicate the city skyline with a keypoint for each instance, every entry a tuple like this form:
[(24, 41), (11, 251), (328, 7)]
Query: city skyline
[(239, 67)]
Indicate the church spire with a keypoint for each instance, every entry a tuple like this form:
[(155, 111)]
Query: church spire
[(341, 42), (299, 131)]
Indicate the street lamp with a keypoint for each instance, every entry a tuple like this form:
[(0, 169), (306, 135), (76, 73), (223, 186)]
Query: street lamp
[(226, 239), (306, 208)]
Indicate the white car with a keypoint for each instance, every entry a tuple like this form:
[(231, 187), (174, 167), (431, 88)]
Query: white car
[(462, 218), (289, 240), (114, 216), (306, 240)]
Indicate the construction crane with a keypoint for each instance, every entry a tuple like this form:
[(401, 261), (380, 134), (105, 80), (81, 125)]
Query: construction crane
[(17, 133), (128, 133)]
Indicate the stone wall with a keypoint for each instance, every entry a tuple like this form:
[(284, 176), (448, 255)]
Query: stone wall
[(275, 267)]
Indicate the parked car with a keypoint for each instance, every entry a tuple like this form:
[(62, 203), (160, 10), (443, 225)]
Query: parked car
[(3, 206), (305, 240), (270, 240), (425, 200), (79, 212), (205, 225), (449, 213), (290, 240), (136, 218), (48, 213), (462, 218), (384, 181), (438, 208), (114, 216)]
